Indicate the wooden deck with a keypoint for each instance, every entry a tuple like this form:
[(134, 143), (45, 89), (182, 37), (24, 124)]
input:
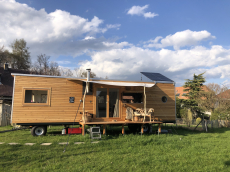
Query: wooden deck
[(119, 122), (123, 123)]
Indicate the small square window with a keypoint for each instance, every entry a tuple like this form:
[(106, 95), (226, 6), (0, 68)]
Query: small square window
[(36, 96)]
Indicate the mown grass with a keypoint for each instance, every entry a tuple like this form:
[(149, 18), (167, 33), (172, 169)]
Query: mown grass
[(187, 151)]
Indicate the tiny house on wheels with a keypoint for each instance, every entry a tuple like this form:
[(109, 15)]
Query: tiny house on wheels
[(40, 100)]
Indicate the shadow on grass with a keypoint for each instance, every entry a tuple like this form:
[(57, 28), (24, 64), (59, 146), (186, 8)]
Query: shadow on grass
[(190, 130), (227, 163), (115, 132)]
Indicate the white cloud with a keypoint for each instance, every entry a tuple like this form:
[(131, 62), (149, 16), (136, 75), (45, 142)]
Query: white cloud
[(140, 11), (181, 39), (88, 37), (177, 65), (56, 33), (113, 26), (114, 45)]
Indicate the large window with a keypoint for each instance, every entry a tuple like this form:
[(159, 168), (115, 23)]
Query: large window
[(132, 98), (36, 96)]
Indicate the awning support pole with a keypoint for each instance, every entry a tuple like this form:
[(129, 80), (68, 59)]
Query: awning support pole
[(83, 117), (144, 104)]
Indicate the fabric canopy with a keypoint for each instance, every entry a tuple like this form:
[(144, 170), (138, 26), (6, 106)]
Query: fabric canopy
[(124, 84)]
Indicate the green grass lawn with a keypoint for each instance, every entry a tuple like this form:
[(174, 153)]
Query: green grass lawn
[(187, 151)]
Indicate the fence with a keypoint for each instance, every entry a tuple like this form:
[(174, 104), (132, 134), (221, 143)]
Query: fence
[(6, 115), (209, 123)]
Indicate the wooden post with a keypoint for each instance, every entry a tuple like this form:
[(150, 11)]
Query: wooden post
[(142, 128), (84, 106), (123, 129), (159, 128), (83, 129), (104, 129), (144, 104)]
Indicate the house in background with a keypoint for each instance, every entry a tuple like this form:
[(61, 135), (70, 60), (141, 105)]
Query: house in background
[(181, 94), (6, 91)]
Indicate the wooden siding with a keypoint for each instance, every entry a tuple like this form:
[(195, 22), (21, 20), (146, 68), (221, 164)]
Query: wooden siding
[(162, 111), (60, 110)]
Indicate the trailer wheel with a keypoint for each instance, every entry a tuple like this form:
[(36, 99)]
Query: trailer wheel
[(39, 130)]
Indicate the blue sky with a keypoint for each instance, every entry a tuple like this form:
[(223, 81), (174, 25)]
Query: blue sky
[(119, 38)]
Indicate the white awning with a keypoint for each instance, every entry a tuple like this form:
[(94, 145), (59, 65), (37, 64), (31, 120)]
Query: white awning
[(124, 84)]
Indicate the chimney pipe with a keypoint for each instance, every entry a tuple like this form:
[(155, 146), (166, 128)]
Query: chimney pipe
[(88, 77), (6, 66), (88, 74)]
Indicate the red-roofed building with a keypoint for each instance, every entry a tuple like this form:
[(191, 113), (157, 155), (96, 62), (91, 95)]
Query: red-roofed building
[(180, 93)]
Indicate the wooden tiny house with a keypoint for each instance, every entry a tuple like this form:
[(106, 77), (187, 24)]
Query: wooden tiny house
[(40, 100)]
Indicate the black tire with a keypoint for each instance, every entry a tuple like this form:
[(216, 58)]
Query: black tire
[(39, 130)]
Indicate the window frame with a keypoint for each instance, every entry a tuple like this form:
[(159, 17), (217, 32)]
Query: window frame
[(36, 88)]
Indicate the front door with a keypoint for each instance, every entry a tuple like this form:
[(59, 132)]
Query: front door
[(107, 103)]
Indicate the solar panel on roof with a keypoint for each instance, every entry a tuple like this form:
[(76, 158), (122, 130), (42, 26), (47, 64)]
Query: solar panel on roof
[(156, 76)]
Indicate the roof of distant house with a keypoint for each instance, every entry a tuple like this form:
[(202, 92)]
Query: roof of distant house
[(180, 93), (7, 81), (225, 94)]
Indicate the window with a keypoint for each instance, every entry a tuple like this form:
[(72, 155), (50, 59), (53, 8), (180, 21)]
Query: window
[(90, 89), (36, 96), (132, 98), (178, 94), (164, 99)]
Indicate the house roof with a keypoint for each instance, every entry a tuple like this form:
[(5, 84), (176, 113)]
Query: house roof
[(225, 94), (156, 77), (7, 81), (97, 80), (180, 92)]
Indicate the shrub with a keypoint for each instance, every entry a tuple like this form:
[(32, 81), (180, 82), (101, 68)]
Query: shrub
[(198, 120)]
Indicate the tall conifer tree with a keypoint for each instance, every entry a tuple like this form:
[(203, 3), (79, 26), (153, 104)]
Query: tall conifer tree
[(194, 89)]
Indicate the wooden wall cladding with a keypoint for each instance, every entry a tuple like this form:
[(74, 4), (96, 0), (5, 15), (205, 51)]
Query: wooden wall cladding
[(60, 110), (162, 111)]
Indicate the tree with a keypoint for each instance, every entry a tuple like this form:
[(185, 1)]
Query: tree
[(41, 66), (178, 107), (212, 97), (44, 67), (194, 89), (216, 99), (54, 69), (20, 55), (4, 56), (66, 72), (83, 73)]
